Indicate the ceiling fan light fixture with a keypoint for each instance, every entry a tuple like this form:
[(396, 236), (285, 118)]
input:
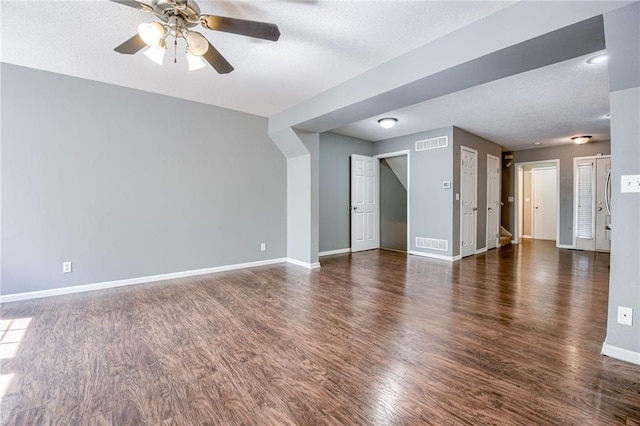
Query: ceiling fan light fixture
[(155, 53), (580, 140), (198, 45), (387, 122), (195, 62), (151, 33)]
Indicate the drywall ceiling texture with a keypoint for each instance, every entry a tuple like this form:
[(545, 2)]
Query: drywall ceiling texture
[(548, 105), (323, 43)]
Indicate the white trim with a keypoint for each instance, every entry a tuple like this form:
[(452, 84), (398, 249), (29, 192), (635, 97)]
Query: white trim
[(406, 152), (435, 256), (393, 154), (565, 246), (517, 195), (621, 354), (481, 250), (394, 250), (307, 265), (330, 252), (133, 281)]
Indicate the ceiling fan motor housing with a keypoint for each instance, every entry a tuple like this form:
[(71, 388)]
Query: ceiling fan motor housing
[(188, 10)]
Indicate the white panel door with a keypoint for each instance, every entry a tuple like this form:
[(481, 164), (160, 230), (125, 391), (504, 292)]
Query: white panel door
[(468, 201), (545, 203), (364, 203), (493, 201), (603, 167)]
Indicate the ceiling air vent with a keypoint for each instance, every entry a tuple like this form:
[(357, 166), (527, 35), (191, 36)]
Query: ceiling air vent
[(432, 244), (426, 144)]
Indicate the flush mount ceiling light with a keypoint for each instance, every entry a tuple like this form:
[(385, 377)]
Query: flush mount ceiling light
[(537, 143), (598, 59), (177, 17), (580, 140), (387, 122)]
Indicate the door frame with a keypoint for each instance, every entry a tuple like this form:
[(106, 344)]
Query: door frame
[(518, 195), (475, 240), (406, 152), (486, 233), (574, 240)]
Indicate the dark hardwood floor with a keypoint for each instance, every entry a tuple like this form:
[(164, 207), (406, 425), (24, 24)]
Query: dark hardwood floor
[(512, 336)]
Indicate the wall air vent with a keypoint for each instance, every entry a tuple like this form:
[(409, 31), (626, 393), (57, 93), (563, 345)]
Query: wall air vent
[(432, 244), (426, 144)]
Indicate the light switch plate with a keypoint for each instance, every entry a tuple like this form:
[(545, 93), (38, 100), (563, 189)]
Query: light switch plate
[(630, 183), (446, 184)]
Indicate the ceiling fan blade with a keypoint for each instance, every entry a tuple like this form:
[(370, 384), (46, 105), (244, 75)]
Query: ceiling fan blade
[(135, 4), (240, 26), (131, 46), (217, 61)]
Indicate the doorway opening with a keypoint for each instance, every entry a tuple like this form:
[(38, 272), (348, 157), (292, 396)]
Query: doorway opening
[(394, 200), (537, 200), (380, 200)]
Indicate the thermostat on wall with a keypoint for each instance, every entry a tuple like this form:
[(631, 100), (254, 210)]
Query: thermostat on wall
[(446, 184)]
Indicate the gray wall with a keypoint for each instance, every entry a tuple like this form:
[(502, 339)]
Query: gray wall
[(335, 189), (393, 209), (431, 209), (484, 147), (565, 154), (126, 184), (622, 31)]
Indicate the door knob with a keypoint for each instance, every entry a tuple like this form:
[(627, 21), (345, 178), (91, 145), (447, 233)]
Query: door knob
[(355, 208), (599, 209)]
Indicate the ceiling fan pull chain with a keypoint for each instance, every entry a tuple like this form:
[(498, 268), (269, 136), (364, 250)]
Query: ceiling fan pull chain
[(175, 50)]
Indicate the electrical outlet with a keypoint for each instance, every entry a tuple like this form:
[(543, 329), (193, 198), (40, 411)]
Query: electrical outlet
[(630, 183), (263, 247), (625, 315), (66, 267)]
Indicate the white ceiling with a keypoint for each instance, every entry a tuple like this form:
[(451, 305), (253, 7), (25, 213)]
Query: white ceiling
[(323, 44), (548, 105)]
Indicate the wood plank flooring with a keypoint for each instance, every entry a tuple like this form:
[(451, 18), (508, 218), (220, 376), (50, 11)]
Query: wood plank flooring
[(512, 336)]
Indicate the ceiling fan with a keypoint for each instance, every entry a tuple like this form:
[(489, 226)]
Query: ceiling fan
[(177, 17)]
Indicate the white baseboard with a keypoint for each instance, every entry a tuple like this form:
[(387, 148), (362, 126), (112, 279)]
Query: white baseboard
[(133, 281), (307, 265), (435, 256), (565, 246), (621, 354), (482, 250), (338, 251), (514, 242)]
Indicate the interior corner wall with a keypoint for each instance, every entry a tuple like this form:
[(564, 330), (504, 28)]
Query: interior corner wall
[(128, 184), (311, 142), (566, 154), (622, 31), (431, 209), (483, 147), (335, 188)]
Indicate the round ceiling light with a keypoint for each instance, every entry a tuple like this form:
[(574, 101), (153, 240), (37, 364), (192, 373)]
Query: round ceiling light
[(387, 122), (598, 59), (537, 143), (580, 140)]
